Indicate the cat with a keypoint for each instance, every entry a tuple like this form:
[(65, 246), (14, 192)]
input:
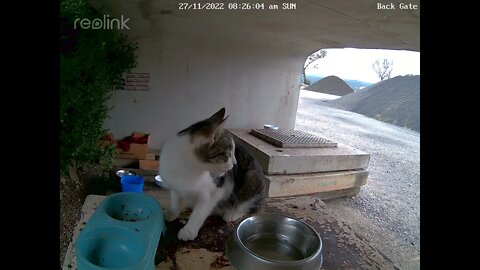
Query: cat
[(202, 166)]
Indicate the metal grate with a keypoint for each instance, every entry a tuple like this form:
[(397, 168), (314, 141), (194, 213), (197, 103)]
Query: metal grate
[(291, 138)]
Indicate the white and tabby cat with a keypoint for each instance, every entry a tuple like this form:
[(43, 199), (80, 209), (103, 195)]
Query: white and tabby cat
[(203, 167)]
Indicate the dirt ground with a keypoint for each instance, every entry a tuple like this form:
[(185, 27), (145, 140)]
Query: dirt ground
[(70, 206)]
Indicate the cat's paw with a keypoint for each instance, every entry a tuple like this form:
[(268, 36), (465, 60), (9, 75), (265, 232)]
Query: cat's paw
[(169, 216), (186, 234)]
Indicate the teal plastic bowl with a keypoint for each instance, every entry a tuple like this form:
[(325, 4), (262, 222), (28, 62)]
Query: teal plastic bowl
[(132, 207), (123, 233), (111, 247)]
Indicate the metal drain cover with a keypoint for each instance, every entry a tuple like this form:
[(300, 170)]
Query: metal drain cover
[(291, 138)]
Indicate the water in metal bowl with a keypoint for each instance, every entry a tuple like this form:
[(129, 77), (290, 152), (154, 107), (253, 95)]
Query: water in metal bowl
[(272, 247), (272, 241)]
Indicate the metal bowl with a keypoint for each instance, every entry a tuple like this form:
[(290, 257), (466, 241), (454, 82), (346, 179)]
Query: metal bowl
[(121, 173), (271, 127), (271, 241), (160, 183)]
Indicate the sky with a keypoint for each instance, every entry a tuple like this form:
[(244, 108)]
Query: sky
[(356, 64)]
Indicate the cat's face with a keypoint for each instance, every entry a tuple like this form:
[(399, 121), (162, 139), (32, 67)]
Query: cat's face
[(218, 157), (212, 145)]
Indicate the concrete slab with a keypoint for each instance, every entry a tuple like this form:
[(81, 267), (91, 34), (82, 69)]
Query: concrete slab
[(275, 160), (298, 184), (343, 247)]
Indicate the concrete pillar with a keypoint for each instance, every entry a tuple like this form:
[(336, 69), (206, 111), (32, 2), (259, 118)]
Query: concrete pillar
[(194, 72)]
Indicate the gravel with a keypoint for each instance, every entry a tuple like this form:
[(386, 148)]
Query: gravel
[(395, 101), (387, 209), (332, 85)]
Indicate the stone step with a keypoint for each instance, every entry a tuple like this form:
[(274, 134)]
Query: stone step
[(276, 160), (334, 194), (325, 182)]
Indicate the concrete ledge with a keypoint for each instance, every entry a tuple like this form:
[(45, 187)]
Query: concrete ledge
[(334, 194), (301, 184), (327, 195), (276, 160)]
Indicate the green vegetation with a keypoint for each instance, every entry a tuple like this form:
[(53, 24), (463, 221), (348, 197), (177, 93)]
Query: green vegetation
[(92, 62)]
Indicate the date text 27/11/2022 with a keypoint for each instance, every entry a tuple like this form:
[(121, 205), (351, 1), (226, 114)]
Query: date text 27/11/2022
[(235, 6)]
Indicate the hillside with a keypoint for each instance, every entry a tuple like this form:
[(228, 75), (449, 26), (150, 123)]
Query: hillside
[(357, 85), (331, 85), (396, 101), (354, 84)]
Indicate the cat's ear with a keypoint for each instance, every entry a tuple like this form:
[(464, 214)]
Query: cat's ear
[(216, 123), (217, 117)]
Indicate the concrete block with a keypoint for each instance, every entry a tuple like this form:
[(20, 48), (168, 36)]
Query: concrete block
[(300, 184), (276, 160)]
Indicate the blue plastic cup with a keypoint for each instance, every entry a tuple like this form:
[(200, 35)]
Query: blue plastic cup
[(132, 183)]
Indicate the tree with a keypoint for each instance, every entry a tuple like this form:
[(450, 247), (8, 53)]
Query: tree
[(384, 69), (310, 59), (92, 61)]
